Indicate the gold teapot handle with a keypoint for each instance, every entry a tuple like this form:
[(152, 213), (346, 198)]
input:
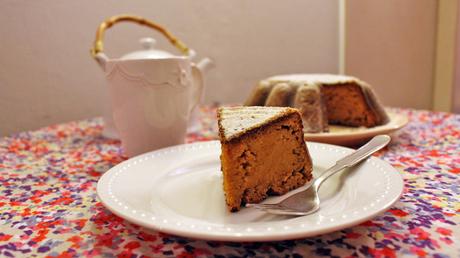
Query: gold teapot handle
[(99, 42)]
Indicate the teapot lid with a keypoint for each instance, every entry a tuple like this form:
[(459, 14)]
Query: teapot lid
[(148, 52)]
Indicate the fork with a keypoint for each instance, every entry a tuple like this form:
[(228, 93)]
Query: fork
[(307, 201)]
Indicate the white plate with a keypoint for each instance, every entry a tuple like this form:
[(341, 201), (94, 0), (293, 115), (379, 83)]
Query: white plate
[(178, 190), (348, 136)]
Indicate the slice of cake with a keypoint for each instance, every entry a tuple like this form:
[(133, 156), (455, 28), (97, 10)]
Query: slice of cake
[(263, 153)]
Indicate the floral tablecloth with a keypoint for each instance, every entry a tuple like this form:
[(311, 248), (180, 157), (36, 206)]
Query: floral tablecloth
[(49, 207)]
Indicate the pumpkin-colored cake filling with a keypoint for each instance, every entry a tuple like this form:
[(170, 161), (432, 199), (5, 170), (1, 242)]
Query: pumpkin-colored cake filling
[(261, 157)]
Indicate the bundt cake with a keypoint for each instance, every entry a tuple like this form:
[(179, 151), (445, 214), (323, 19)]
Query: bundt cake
[(322, 99), (263, 153)]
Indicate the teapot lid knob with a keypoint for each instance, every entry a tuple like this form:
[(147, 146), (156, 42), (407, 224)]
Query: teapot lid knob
[(148, 51), (147, 43)]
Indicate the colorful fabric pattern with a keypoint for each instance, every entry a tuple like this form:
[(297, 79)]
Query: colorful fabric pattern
[(49, 207)]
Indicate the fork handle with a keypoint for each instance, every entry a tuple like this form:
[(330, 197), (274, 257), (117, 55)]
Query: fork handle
[(377, 143)]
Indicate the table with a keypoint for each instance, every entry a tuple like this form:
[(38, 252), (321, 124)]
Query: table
[(49, 207)]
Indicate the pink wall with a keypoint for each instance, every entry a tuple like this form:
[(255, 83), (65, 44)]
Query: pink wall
[(456, 95), (391, 45)]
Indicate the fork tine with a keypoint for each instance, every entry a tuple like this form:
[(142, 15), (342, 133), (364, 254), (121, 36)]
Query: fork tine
[(262, 205), (284, 211), (273, 206), (279, 209)]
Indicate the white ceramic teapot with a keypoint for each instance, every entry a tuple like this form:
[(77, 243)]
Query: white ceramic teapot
[(152, 92)]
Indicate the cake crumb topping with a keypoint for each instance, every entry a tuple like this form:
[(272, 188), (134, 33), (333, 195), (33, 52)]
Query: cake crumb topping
[(235, 121), (315, 78)]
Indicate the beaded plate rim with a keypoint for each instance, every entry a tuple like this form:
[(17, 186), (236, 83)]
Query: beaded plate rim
[(296, 228)]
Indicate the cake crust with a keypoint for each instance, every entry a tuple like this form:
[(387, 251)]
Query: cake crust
[(247, 130)]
